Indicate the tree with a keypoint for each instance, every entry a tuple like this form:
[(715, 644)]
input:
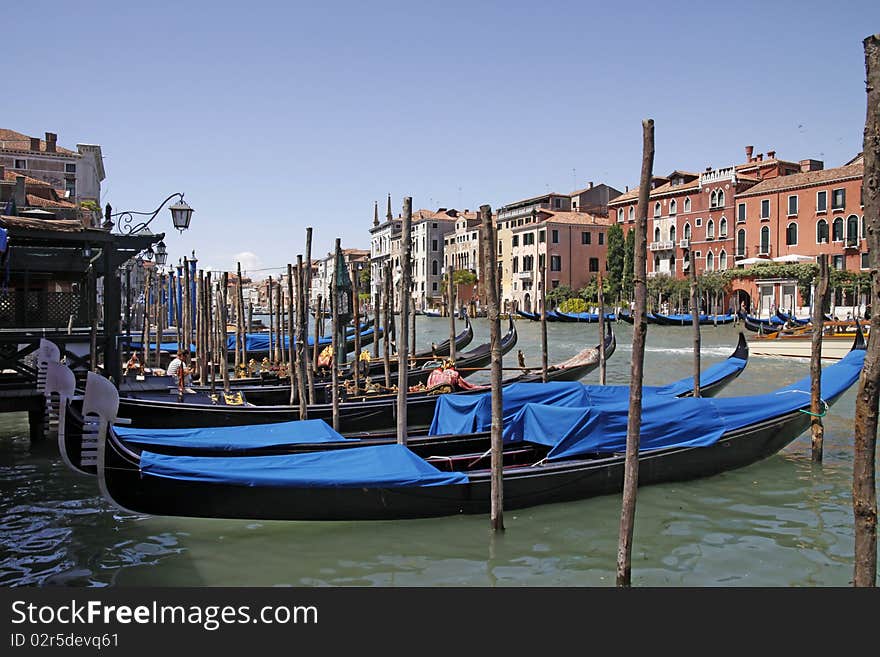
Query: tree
[(615, 259), (559, 295), (626, 280)]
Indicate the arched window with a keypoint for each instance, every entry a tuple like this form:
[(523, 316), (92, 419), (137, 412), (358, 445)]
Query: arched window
[(657, 209), (863, 226), (791, 234), (765, 240), (720, 198), (722, 227), (672, 235), (687, 231), (710, 261), (852, 229), (713, 199), (632, 213), (741, 242), (673, 207), (710, 229), (434, 266), (620, 215), (687, 204), (821, 231), (657, 234), (722, 260), (837, 229), (656, 262)]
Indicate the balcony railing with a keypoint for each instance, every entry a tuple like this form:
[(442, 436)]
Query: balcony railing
[(662, 246), (523, 275)]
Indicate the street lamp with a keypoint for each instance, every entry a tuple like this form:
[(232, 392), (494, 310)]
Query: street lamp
[(181, 214), (161, 253)]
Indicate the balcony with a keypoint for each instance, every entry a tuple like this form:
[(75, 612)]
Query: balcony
[(662, 246), (523, 275)]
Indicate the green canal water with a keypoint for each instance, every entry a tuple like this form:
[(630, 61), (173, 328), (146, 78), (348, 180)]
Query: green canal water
[(780, 522)]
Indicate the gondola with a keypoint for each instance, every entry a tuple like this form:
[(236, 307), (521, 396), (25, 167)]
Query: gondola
[(589, 318), (786, 318), (275, 437), (551, 455), (686, 319), (628, 317)]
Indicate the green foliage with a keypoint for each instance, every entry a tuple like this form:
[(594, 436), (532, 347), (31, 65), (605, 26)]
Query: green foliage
[(590, 292), (464, 277), (365, 278), (559, 295), (573, 305), (615, 258)]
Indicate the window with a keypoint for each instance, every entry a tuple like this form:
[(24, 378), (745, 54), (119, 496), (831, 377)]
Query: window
[(586, 237), (741, 242), (594, 264), (557, 203), (601, 239), (554, 236), (713, 199), (687, 231), (821, 201), (516, 240), (837, 230), (657, 234), (672, 234), (673, 207), (765, 208), (632, 213), (852, 229), (838, 262), (720, 198), (792, 205), (555, 263), (70, 187), (528, 239), (687, 204), (20, 164), (865, 264), (722, 227), (433, 245), (554, 284), (620, 215), (722, 260), (821, 231), (710, 261), (765, 241), (542, 236), (657, 209), (863, 227), (434, 267), (70, 168), (791, 234), (710, 230), (434, 286), (500, 248), (515, 264), (741, 213), (838, 199), (698, 222)]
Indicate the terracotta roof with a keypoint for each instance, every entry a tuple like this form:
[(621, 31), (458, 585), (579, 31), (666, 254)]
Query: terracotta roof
[(10, 176), (806, 179), (39, 202), (579, 218), (12, 140), (26, 223), (631, 195)]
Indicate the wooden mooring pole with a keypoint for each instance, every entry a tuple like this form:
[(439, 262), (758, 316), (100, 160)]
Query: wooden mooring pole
[(305, 295), (293, 324), (602, 365), (543, 268), (640, 329), (820, 298), (334, 360), (388, 316), (302, 348), (695, 320), (356, 306), (490, 272), (864, 461), (403, 341), (450, 290)]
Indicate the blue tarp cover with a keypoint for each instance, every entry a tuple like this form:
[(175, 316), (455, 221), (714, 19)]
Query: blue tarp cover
[(255, 342), (601, 428), (382, 466), (469, 413), (234, 438)]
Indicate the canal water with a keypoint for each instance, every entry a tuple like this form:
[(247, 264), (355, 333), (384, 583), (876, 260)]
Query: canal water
[(780, 522)]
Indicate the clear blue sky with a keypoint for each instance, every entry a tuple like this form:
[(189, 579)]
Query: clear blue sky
[(273, 116)]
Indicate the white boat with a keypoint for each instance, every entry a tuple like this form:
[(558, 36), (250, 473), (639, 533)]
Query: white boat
[(800, 345)]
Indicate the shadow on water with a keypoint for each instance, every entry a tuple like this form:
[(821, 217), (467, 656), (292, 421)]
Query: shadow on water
[(781, 522)]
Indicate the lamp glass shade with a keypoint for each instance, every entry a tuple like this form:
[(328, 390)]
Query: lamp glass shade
[(181, 213), (161, 253)]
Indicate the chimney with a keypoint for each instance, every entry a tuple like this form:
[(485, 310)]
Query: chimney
[(771, 155), (749, 151), (760, 157), (591, 184), (708, 168), (35, 144), (20, 197), (51, 139), (811, 165)]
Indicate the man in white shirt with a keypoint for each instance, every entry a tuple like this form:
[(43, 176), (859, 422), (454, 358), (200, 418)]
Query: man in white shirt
[(178, 368)]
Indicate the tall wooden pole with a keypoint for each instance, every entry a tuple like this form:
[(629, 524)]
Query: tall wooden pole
[(279, 325), (224, 319), (301, 340), (695, 320), (293, 330), (640, 329), (490, 274), (186, 313), (864, 461), (334, 310), (403, 342), (387, 317), (602, 366), (319, 333), (543, 268), (246, 328), (377, 305), (238, 321), (145, 340), (820, 298), (210, 332), (450, 290), (356, 303), (270, 294), (306, 295)]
